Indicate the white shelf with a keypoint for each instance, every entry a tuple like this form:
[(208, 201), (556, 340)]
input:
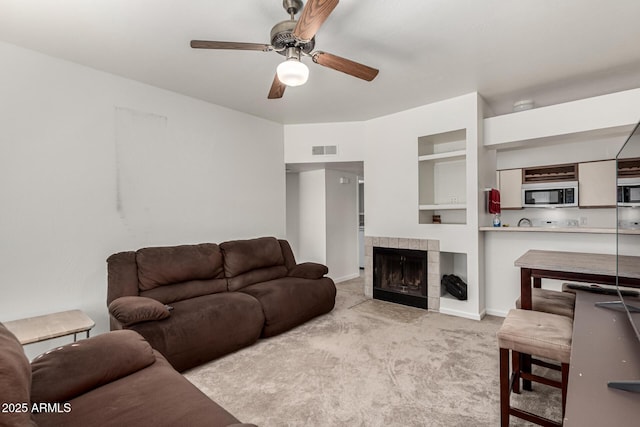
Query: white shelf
[(442, 170), (442, 207), (449, 155)]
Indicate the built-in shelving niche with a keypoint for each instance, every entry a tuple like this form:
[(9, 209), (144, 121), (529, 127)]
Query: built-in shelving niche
[(442, 177), (453, 263)]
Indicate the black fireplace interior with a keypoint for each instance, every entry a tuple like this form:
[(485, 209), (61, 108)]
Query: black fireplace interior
[(400, 275)]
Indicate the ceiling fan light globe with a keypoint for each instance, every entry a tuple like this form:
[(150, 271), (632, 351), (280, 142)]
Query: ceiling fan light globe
[(292, 72)]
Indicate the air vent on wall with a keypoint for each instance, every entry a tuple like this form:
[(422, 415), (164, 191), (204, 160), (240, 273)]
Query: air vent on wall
[(324, 150)]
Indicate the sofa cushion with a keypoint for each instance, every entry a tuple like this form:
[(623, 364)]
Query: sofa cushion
[(252, 261), (174, 264), (241, 256), (15, 380), (68, 371), (131, 310), (204, 328), (290, 301)]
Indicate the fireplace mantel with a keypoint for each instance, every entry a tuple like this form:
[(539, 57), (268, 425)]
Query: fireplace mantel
[(433, 260)]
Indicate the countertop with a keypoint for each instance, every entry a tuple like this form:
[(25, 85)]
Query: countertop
[(591, 230), (581, 262)]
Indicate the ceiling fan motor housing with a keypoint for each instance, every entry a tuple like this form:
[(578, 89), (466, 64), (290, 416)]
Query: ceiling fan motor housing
[(282, 37)]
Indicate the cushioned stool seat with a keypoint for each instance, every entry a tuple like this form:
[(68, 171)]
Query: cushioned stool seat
[(534, 333), (549, 301)]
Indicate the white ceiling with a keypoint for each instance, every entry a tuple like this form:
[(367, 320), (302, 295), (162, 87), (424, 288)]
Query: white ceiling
[(427, 50)]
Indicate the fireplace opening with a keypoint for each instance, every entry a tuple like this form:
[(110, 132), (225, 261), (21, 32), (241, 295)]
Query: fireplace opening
[(400, 276)]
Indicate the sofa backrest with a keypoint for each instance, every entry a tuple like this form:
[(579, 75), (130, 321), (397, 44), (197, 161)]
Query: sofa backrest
[(167, 274), (174, 273), (15, 381), (247, 262)]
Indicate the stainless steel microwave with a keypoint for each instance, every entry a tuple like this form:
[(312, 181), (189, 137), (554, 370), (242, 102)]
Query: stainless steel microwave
[(550, 194), (629, 191)]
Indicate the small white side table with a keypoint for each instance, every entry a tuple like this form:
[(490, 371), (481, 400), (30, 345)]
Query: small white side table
[(49, 326)]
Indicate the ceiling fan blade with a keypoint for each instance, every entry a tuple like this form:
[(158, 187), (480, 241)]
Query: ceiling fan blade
[(205, 44), (277, 88), (347, 66), (314, 13)]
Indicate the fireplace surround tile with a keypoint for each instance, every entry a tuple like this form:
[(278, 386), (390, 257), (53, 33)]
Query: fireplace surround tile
[(433, 263)]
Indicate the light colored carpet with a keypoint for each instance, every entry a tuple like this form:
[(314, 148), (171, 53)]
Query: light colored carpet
[(370, 363)]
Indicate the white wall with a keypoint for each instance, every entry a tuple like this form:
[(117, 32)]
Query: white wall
[(92, 164), (347, 136), (391, 167), (293, 212), (322, 220), (312, 232), (342, 225), (338, 235)]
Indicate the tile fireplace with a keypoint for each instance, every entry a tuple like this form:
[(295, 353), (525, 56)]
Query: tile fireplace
[(412, 282), (400, 275)]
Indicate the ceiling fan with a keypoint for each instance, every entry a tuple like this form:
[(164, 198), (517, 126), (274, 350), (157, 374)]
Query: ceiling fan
[(294, 39)]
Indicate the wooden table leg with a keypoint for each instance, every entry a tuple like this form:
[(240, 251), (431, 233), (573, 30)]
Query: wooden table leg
[(537, 282), (526, 304), (525, 288)]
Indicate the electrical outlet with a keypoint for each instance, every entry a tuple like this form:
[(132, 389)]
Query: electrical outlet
[(453, 200), (583, 220)]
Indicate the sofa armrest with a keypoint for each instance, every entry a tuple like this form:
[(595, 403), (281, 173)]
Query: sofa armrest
[(308, 270), (131, 310), (73, 369)]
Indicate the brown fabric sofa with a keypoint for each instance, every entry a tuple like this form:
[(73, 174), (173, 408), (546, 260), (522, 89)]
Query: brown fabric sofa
[(221, 297), (113, 379)]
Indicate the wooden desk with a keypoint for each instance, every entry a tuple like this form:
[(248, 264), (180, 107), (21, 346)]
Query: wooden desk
[(577, 266), (49, 326), (604, 348)]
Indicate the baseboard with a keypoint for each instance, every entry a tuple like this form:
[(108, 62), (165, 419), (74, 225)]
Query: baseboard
[(345, 278), (498, 313), (464, 314)]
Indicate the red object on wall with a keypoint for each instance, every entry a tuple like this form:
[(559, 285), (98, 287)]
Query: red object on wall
[(494, 201)]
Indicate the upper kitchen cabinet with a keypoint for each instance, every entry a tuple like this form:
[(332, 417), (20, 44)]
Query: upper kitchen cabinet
[(629, 168), (597, 184), (510, 186), (553, 173)]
